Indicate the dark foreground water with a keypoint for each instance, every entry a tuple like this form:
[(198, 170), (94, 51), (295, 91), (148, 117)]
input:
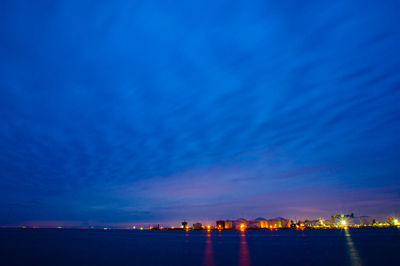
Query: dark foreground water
[(365, 246)]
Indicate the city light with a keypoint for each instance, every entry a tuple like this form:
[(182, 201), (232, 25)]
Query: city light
[(242, 227), (337, 221)]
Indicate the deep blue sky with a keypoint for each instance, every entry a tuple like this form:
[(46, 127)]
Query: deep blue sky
[(124, 112)]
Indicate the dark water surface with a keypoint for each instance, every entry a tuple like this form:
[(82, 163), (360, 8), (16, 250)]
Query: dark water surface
[(364, 246)]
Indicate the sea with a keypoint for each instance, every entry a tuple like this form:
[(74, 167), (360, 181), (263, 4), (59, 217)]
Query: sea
[(352, 246)]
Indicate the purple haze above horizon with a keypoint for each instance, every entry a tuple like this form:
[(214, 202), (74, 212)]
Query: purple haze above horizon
[(137, 112)]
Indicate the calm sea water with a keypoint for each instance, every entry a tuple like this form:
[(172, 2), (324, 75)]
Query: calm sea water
[(365, 246)]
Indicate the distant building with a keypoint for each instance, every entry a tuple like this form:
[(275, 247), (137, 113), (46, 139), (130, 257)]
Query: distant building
[(227, 224), (315, 223), (236, 224), (263, 223), (342, 219), (253, 224), (350, 219), (311, 223), (285, 223), (279, 222), (197, 226)]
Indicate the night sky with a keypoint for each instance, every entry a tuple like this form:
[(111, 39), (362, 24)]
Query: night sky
[(128, 112)]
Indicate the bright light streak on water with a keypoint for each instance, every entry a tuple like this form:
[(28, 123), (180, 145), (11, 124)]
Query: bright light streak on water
[(353, 253), (244, 256), (208, 252)]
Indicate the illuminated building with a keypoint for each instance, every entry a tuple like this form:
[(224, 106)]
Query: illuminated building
[(258, 223), (221, 225), (263, 223), (227, 224), (350, 219), (236, 224), (341, 219), (279, 222)]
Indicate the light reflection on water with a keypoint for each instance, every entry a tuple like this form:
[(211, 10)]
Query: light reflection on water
[(244, 256), (353, 253), (208, 252)]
